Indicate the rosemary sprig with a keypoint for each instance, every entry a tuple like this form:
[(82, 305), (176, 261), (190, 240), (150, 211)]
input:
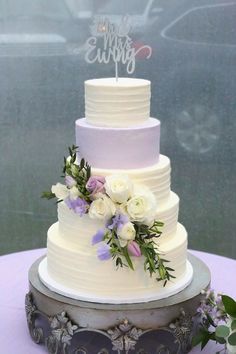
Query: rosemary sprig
[(153, 263), (118, 253), (48, 195), (79, 172)]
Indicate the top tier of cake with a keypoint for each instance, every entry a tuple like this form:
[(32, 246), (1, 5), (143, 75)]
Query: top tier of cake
[(117, 103)]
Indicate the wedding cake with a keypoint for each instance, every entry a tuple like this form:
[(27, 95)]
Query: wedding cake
[(117, 238)]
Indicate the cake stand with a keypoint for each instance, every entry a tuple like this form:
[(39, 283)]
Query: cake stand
[(68, 326)]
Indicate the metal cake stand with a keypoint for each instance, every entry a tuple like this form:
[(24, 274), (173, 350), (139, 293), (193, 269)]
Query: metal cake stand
[(68, 326)]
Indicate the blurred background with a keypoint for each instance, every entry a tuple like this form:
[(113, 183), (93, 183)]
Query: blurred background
[(193, 75)]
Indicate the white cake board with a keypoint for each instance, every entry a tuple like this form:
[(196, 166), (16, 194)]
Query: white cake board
[(162, 292)]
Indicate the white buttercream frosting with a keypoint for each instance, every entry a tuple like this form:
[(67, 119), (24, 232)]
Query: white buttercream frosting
[(155, 177), (74, 264), (71, 224), (121, 103), (72, 267)]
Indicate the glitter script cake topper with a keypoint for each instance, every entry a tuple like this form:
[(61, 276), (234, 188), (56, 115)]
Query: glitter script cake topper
[(111, 42)]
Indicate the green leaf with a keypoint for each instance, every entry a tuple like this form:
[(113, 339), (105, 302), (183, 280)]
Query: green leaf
[(210, 320), (162, 272), (233, 325), (70, 151), (230, 305), (127, 257), (119, 262), (172, 276), (205, 340), (220, 340), (88, 172), (82, 163), (170, 269), (198, 338), (232, 339), (222, 331), (48, 195), (73, 158), (151, 262)]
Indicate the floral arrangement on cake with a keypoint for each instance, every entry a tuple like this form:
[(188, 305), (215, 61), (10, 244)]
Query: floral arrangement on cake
[(217, 317), (127, 209)]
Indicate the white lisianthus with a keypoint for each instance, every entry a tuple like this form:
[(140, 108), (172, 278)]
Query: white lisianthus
[(74, 193), (102, 208), (60, 191), (119, 187), (142, 206), (126, 233)]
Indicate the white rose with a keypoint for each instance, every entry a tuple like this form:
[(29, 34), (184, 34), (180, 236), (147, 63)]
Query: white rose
[(126, 233), (142, 206), (60, 191), (119, 188), (102, 208)]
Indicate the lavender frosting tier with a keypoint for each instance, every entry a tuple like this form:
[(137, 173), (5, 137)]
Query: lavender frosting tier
[(125, 148)]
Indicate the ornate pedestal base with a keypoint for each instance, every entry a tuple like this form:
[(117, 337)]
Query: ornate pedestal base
[(68, 326)]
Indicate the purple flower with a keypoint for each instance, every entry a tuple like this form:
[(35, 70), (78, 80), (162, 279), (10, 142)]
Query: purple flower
[(95, 184), (134, 249), (70, 181), (104, 252), (118, 221), (98, 237), (79, 205)]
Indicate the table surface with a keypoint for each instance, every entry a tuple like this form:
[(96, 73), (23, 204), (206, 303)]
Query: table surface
[(14, 336)]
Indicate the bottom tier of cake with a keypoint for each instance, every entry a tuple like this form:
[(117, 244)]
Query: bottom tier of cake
[(80, 274)]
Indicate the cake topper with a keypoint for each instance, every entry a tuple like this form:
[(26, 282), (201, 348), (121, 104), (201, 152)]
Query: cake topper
[(111, 42)]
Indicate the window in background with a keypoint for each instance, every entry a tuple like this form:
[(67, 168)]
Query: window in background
[(192, 69)]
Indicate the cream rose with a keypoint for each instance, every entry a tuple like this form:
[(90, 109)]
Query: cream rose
[(142, 206), (102, 208), (119, 188), (60, 191), (126, 233)]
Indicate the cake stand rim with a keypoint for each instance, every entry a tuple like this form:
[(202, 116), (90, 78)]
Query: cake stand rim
[(200, 281)]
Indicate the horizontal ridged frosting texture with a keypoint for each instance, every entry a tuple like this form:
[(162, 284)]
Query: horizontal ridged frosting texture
[(155, 177), (73, 226), (76, 265), (106, 147), (117, 103)]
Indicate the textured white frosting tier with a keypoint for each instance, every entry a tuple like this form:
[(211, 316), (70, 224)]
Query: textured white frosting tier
[(74, 264), (121, 103), (155, 177), (71, 224), (126, 298)]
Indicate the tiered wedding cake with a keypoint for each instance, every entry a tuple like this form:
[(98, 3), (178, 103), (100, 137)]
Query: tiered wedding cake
[(120, 142)]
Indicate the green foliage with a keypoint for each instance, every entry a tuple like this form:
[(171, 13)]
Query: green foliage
[(79, 172), (232, 339), (153, 263), (230, 305), (233, 325), (222, 331), (48, 195), (223, 334)]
